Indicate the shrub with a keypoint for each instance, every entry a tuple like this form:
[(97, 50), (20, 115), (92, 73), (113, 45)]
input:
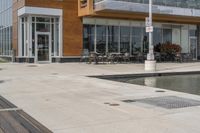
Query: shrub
[(170, 48)]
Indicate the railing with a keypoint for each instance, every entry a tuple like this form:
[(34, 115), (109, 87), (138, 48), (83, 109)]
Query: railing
[(194, 4)]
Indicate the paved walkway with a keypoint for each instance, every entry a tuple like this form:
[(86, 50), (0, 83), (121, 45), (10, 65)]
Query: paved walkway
[(65, 100)]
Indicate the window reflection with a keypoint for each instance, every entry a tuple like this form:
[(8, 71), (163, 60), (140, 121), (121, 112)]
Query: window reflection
[(137, 35), (134, 39), (125, 39), (101, 39), (172, 3), (113, 38), (5, 27), (88, 37)]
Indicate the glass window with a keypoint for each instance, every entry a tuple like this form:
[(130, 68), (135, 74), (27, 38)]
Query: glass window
[(176, 35), (88, 37), (125, 39), (193, 32), (157, 36), (167, 35), (43, 27), (42, 19), (5, 27), (101, 39), (57, 44), (185, 39), (137, 33), (33, 39), (22, 39), (113, 38)]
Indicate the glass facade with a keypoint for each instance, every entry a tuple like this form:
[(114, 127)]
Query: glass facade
[(5, 27), (172, 3), (30, 27), (107, 36)]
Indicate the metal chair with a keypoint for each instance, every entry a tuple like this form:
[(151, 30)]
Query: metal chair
[(126, 57), (93, 57), (84, 55), (178, 57)]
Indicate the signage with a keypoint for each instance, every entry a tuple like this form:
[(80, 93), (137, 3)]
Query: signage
[(83, 3), (149, 29), (147, 22)]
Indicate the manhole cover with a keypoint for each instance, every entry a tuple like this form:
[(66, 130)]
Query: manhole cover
[(54, 73), (161, 91), (128, 101), (2, 81), (32, 65), (114, 104), (169, 102)]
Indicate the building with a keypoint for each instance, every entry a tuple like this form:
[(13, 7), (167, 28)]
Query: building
[(59, 30), (5, 28)]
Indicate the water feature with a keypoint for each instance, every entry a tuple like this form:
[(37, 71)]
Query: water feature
[(182, 83)]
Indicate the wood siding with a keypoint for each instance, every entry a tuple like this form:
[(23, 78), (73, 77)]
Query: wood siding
[(72, 25), (87, 10)]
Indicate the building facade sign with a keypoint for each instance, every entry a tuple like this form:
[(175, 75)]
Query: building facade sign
[(83, 3)]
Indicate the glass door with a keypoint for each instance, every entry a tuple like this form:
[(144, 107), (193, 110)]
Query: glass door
[(43, 48), (193, 47)]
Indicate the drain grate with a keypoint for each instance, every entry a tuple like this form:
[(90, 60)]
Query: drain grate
[(168, 102)]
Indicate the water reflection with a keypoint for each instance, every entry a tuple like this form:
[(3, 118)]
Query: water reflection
[(181, 83), (150, 81)]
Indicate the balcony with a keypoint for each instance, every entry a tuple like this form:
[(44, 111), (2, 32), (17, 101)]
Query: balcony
[(168, 7)]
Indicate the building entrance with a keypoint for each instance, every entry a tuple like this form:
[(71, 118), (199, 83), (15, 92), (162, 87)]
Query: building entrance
[(43, 48)]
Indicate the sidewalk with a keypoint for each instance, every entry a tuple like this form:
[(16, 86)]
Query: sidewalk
[(65, 100)]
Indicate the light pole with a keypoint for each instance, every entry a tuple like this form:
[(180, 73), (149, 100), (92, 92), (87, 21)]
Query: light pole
[(150, 63)]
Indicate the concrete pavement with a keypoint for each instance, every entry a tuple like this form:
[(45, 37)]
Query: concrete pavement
[(65, 100)]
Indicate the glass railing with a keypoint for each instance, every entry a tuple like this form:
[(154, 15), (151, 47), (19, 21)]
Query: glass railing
[(194, 4)]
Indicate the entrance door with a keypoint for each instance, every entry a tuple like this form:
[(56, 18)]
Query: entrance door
[(193, 47), (43, 48)]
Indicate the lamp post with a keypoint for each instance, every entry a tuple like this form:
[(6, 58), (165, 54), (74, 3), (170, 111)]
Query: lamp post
[(150, 63)]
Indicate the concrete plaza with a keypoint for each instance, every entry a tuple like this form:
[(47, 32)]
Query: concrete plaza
[(65, 100)]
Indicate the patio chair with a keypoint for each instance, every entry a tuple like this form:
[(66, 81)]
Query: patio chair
[(157, 56), (110, 58), (178, 57), (102, 57), (93, 57), (186, 57), (140, 57), (126, 57), (84, 55)]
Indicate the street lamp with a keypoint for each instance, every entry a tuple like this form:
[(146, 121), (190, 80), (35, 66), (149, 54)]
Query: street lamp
[(150, 63)]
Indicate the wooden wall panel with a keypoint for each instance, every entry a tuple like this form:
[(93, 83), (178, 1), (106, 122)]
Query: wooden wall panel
[(72, 29), (87, 10), (72, 26)]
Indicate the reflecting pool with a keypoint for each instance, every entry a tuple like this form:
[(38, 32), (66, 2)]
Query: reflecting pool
[(182, 83)]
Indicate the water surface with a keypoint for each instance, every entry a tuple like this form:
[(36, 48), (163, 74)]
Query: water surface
[(182, 83)]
